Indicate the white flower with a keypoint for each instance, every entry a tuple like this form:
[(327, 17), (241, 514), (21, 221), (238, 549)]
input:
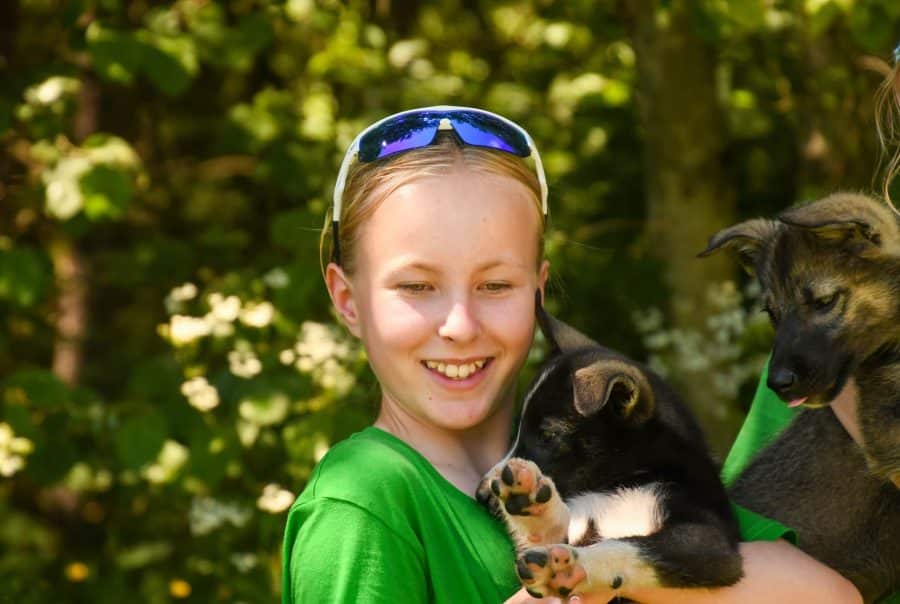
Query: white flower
[(242, 361), (178, 296), (171, 458), (200, 393), (257, 315), (51, 90), (208, 514), (13, 450), (63, 187), (224, 308), (184, 329), (274, 499)]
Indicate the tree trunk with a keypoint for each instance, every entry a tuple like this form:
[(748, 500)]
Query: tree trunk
[(688, 196), (69, 265)]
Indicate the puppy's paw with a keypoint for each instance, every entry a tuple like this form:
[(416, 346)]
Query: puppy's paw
[(551, 571), (521, 489)]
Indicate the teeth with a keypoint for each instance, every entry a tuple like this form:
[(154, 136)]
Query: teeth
[(456, 371)]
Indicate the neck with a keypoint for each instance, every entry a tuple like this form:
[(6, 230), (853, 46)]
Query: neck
[(464, 456)]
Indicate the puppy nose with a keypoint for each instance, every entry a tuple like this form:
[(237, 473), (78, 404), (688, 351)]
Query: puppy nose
[(781, 380)]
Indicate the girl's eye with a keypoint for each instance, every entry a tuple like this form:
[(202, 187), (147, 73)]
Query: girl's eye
[(496, 286), (414, 287)]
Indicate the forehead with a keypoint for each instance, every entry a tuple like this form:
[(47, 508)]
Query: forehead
[(454, 217), (799, 262)]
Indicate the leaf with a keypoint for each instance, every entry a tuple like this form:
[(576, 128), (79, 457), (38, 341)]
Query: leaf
[(106, 192), (41, 388), (25, 276), (140, 439), (116, 55), (211, 452), (170, 62)]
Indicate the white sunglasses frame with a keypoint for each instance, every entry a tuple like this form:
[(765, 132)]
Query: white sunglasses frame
[(353, 150)]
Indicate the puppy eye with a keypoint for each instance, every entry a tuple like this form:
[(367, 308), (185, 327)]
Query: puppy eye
[(825, 303), (546, 437)]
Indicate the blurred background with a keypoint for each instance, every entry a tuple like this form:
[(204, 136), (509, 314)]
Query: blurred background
[(170, 371)]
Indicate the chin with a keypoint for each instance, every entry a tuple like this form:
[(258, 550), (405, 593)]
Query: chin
[(465, 416)]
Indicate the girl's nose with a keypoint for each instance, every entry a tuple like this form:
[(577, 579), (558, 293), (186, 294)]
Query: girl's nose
[(460, 325)]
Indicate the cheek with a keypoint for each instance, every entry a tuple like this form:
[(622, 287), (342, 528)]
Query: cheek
[(513, 324), (395, 322)]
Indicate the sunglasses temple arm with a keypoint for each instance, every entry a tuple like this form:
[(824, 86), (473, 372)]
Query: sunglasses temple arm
[(542, 178), (338, 196)]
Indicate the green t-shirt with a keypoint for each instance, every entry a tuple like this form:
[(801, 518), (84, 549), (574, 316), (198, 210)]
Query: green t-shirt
[(768, 416), (377, 523)]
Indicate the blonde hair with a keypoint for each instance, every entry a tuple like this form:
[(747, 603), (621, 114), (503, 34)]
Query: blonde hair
[(887, 123), (369, 184)]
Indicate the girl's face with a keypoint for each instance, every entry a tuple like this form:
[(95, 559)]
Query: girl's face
[(443, 295)]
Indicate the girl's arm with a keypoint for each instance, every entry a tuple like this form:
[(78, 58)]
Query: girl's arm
[(774, 572)]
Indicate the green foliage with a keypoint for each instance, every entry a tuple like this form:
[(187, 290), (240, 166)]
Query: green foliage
[(166, 170)]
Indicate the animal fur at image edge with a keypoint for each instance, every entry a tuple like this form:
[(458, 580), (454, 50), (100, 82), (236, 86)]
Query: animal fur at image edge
[(830, 278)]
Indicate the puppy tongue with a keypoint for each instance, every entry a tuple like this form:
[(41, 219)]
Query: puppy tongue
[(797, 402)]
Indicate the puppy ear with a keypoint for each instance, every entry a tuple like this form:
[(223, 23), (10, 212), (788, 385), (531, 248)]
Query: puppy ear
[(854, 220), (562, 337), (611, 382), (746, 238)]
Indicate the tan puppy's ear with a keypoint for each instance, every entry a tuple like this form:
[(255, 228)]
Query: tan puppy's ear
[(853, 220), (341, 291), (746, 238), (611, 382)]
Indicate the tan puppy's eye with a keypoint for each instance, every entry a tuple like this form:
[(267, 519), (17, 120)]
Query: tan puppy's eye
[(826, 302)]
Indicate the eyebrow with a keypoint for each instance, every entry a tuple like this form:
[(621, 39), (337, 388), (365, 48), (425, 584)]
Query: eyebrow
[(429, 268)]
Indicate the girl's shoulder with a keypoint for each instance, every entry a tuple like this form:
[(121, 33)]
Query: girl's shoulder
[(368, 469)]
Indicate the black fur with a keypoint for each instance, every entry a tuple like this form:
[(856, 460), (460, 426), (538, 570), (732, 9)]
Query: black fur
[(597, 436)]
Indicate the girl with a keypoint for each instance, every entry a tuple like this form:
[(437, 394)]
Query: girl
[(436, 248)]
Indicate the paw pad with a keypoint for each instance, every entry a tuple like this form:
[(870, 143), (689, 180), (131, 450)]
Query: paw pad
[(521, 488), (550, 571)]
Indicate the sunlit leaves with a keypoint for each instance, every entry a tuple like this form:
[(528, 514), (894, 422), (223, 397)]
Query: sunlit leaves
[(96, 178), (166, 58)]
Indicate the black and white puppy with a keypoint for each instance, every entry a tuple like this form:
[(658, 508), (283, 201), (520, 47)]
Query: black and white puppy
[(609, 483)]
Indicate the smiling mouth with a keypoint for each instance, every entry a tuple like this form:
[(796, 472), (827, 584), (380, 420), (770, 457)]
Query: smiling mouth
[(459, 371)]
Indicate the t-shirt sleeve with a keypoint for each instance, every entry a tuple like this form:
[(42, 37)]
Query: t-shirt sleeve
[(768, 416), (335, 551)]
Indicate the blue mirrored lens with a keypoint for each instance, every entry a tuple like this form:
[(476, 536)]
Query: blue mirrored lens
[(402, 134), (484, 131), (418, 130)]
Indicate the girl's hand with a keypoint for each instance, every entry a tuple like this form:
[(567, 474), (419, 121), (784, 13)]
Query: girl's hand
[(522, 597), (844, 407)]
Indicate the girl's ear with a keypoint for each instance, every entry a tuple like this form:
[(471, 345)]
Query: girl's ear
[(543, 275), (341, 291)]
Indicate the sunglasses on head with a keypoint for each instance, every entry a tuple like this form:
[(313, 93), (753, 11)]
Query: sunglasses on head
[(418, 128)]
